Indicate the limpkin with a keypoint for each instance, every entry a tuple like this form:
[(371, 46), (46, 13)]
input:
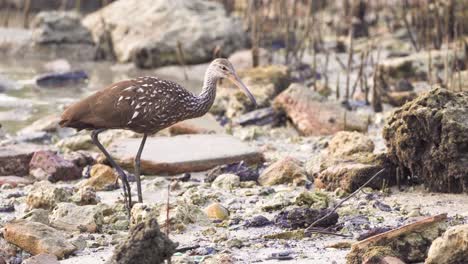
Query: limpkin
[(145, 105)]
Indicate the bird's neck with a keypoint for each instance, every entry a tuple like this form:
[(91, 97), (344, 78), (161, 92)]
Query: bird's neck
[(208, 94)]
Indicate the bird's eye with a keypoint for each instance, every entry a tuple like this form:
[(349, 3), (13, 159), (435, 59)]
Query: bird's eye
[(223, 68)]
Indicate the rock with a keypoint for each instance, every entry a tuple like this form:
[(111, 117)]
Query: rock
[(85, 196), (48, 165), (286, 170), (62, 79), (403, 85), (264, 83), (261, 117), (317, 200), (179, 154), (101, 177), (226, 181), (37, 215), (352, 172), (142, 212), (345, 143), (217, 211), (42, 259), (59, 27), (415, 66), (411, 241), (202, 125), (398, 98), (304, 217), (312, 116), (46, 195), (70, 217), (14, 159), (76, 142), (58, 65), (245, 173), (182, 213), (258, 221), (451, 247), (146, 244), (81, 158), (37, 238), (45, 124), (139, 41), (7, 208), (426, 138), (376, 255), (242, 59), (14, 181)]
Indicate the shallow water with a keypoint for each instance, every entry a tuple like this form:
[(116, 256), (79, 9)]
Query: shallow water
[(28, 102)]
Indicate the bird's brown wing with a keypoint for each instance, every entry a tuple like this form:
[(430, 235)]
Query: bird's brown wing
[(99, 110)]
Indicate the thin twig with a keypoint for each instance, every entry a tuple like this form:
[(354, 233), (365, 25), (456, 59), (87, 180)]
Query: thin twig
[(319, 231), (344, 200)]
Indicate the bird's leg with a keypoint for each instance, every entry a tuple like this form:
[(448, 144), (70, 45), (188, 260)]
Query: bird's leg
[(138, 167), (123, 176)]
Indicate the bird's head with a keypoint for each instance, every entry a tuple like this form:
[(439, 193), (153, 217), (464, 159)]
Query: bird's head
[(222, 68)]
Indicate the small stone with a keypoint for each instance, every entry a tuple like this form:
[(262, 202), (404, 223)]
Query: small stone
[(303, 217), (46, 165), (70, 217), (414, 213), (37, 238), (286, 170), (42, 259), (312, 199), (258, 221), (217, 211), (7, 208), (46, 195), (226, 181), (101, 176), (451, 247), (234, 243), (85, 196)]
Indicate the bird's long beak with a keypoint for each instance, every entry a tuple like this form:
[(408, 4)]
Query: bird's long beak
[(236, 80)]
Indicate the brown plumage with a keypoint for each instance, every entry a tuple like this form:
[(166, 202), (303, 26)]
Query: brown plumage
[(145, 105)]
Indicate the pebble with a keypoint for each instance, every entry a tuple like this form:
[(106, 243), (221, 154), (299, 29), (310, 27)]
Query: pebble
[(217, 211)]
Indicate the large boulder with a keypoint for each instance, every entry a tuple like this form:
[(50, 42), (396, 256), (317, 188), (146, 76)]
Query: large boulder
[(427, 139), (313, 116), (37, 238), (451, 247), (151, 38)]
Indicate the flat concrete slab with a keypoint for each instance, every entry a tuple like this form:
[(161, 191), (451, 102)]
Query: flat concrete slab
[(184, 153)]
